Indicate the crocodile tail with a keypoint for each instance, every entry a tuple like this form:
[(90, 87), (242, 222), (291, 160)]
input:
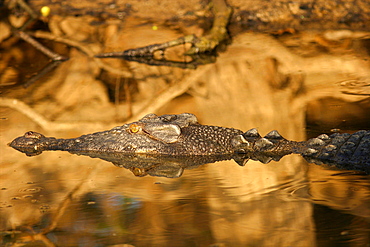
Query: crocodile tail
[(346, 151)]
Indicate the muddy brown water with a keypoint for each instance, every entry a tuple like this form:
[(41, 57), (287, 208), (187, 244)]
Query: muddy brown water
[(60, 199)]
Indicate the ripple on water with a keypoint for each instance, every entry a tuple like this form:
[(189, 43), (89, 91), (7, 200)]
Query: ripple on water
[(31, 190)]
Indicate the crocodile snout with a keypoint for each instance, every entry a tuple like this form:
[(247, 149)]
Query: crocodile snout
[(28, 143)]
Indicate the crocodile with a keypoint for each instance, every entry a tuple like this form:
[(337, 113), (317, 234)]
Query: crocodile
[(182, 135)]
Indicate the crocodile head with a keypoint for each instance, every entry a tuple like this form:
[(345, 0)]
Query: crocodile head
[(171, 135), (31, 143)]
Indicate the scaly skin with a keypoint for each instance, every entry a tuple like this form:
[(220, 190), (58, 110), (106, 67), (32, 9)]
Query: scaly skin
[(346, 151), (164, 135), (182, 135)]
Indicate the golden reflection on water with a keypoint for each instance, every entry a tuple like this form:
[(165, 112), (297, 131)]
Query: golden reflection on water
[(75, 200)]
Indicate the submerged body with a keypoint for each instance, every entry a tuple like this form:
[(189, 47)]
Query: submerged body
[(182, 135)]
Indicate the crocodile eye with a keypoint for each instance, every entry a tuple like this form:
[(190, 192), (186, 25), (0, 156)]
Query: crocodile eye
[(34, 135), (134, 128)]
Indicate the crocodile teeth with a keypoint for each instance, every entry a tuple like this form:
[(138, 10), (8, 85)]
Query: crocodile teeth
[(252, 133), (316, 142), (323, 137), (273, 135), (263, 143)]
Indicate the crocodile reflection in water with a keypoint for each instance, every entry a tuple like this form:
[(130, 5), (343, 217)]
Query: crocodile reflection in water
[(161, 140), (171, 166)]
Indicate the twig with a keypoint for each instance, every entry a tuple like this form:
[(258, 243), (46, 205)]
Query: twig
[(54, 56), (49, 67), (27, 8), (82, 47)]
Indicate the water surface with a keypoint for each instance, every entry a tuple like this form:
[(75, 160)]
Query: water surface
[(60, 199)]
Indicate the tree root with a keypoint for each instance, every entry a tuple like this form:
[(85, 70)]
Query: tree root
[(204, 44), (42, 121)]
